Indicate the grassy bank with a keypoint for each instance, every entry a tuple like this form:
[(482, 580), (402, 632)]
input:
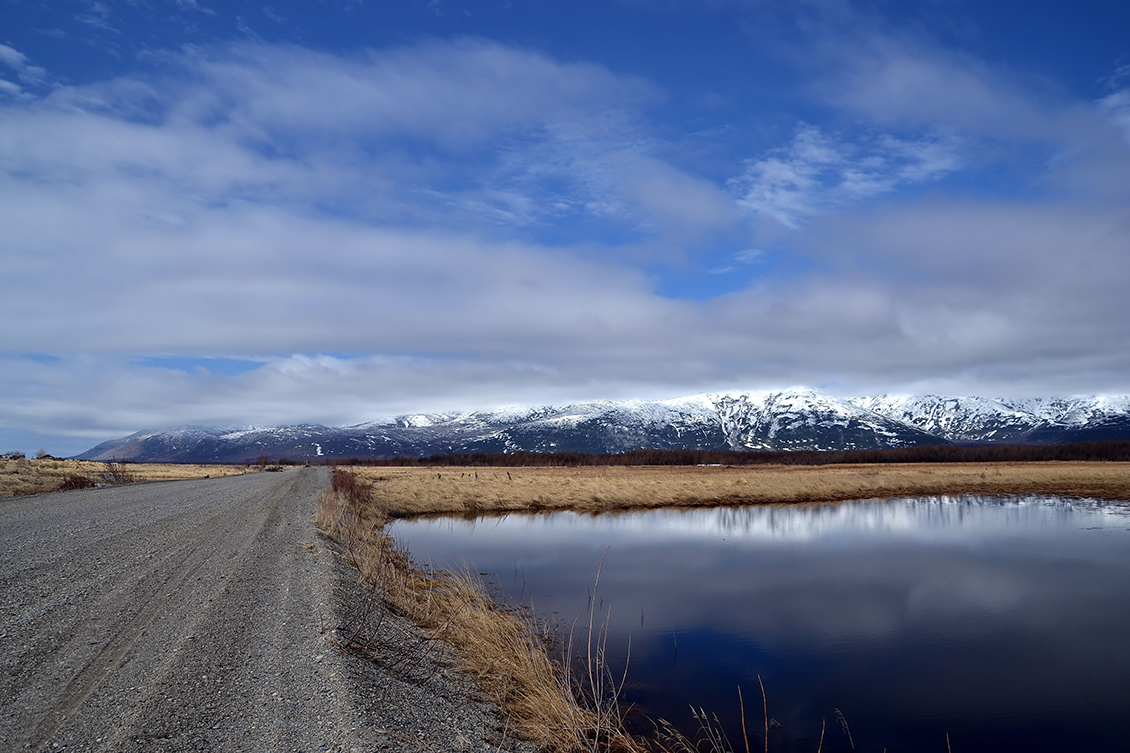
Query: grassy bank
[(38, 476), (414, 491), (503, 649)]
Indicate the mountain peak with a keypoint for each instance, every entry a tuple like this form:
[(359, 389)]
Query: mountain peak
[(796, 418)]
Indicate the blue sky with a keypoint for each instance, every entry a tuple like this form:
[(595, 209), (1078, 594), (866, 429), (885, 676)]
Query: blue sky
[(237, 213)]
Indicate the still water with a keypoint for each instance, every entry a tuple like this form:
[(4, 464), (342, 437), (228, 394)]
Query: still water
[(1004, 622)]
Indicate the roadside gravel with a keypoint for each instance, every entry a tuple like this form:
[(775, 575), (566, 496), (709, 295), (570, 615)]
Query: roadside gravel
[(197, 616)]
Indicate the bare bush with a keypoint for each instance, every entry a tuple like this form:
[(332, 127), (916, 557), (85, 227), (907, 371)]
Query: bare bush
[(75, 481), (117, 473)]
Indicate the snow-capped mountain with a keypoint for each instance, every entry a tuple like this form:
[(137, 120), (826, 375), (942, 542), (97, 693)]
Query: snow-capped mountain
[(1035, 420), (795, 419)]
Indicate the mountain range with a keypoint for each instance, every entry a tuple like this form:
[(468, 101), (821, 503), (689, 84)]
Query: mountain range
[(794, 419)]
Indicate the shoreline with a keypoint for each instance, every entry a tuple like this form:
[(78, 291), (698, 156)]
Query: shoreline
[(502, 650), (410, 692)]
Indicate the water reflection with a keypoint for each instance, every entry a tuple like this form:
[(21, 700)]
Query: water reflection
[(1000, 621)]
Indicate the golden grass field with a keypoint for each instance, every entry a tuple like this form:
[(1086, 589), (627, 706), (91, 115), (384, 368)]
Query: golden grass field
[(29, 476), (412, 491), (409, 491)]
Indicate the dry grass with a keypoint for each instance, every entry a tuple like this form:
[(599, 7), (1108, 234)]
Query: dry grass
[(501, 648), (27, 476), (408, 492), (176, 471)]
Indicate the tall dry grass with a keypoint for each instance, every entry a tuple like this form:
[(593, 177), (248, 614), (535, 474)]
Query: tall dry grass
[(503, 649), (38, 476), (413, 491)]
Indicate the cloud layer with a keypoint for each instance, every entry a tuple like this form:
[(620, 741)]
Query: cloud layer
[(468, 223)]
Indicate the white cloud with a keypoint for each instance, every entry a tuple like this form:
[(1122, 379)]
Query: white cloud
[(221, 282), (909, 83), (270, 13), (816, 172), (29, 75), (453, 94), (97, 15), (434, 134), (261, 199), (1035, 130), (12, 58), (1116, 106)]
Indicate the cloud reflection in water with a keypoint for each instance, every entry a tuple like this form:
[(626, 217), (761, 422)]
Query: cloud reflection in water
[(992, 616)]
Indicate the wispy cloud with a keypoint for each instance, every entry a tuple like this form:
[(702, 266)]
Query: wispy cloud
[(18, 65), (909, 83), (742, 258), (11, 57), (817, 171), (405, 135), (1116, 105), (272, 14), (98, 15), (464, 133)]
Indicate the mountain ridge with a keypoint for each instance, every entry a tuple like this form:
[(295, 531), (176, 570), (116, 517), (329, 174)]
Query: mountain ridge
[(799, 418)]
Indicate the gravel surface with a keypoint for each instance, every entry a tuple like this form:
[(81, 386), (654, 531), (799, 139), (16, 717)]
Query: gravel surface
[(199, 615)]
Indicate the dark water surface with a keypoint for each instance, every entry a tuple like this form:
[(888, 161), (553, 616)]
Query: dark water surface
[(1004, 622)]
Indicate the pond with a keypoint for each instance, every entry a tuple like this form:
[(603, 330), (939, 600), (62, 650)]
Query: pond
[(1002, 622)]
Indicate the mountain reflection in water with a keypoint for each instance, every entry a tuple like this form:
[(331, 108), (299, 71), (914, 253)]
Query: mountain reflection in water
[(1002, 621)]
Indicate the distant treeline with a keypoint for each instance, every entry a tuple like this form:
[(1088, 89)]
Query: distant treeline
[(1113, 450)]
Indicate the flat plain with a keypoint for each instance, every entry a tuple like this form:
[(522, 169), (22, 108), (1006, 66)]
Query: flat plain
[(411, 491)]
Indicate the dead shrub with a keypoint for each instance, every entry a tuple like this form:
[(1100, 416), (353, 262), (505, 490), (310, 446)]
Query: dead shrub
[(118, 473), (74, 481)]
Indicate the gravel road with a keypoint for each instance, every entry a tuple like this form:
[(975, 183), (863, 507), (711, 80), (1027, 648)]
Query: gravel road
[(194, 615)]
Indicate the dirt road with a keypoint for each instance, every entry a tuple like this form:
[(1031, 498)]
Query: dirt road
[(192, 615)]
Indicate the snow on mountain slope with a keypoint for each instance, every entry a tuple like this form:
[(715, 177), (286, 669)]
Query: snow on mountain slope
[(956, 419), (793, 419), (802, 418), (979, 419)]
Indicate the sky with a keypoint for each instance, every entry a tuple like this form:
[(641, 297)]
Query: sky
[(335, 211)]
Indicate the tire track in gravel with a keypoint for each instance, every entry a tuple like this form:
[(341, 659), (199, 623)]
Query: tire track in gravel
[(137, 617), (193, 616), (153, 593)]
